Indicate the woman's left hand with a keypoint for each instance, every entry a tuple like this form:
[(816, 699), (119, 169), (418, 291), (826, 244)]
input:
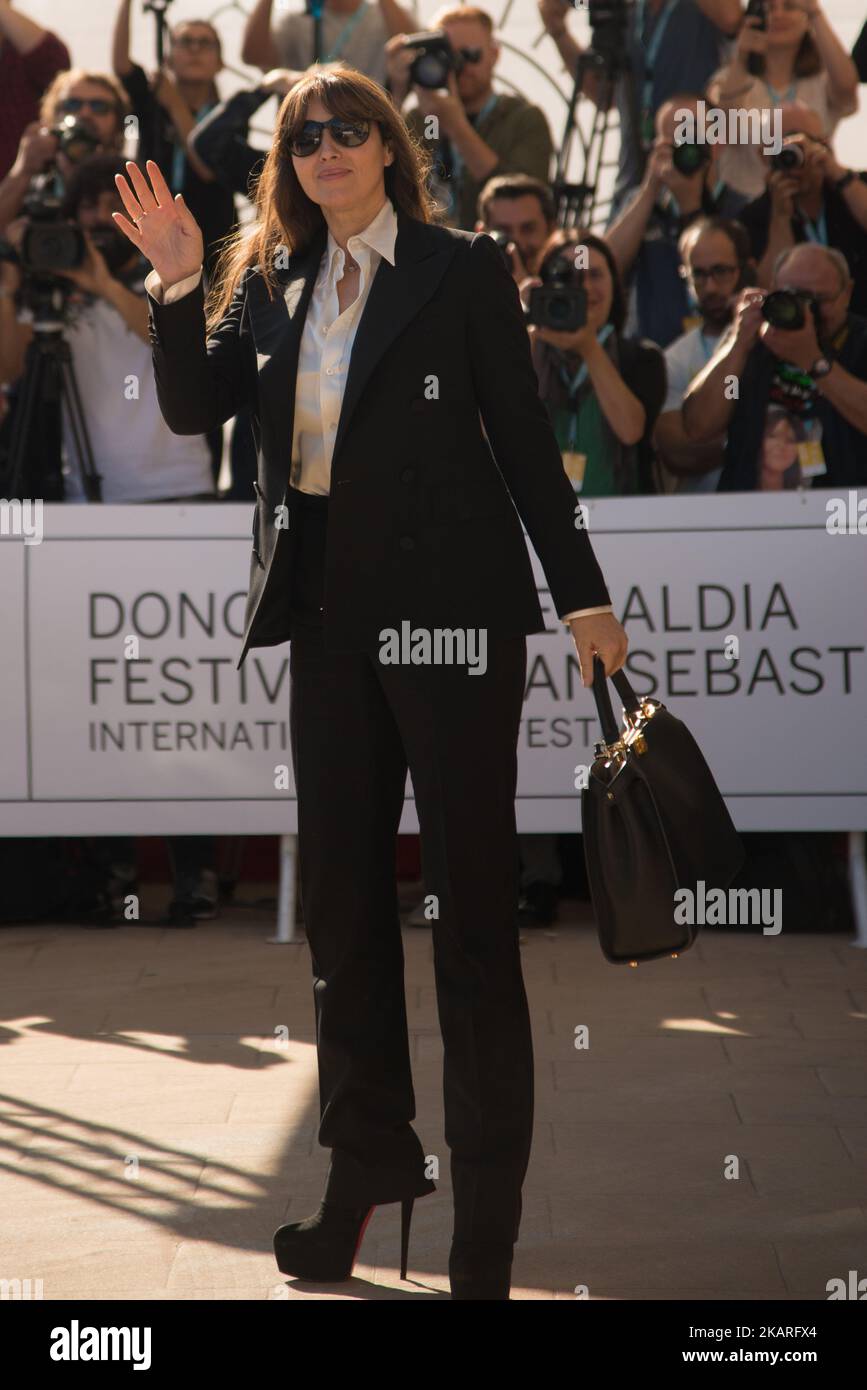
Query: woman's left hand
[(603, 634)]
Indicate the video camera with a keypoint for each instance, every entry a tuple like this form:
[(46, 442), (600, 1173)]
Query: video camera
[(609, 28), (50, 242)]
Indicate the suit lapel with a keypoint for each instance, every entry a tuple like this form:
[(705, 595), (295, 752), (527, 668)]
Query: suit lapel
[(396, 295), (277, 325)]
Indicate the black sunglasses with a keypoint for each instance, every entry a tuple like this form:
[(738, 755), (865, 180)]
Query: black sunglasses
[(347, 133), (100, 106)]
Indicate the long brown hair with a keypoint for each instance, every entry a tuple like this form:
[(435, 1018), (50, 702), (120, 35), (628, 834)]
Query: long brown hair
[(287, 220)]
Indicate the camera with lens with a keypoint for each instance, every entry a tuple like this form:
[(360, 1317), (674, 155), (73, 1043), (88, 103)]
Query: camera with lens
[(560, 302), (788, 309), (51, 242), (689, 157), (435, 59), (789, 158)]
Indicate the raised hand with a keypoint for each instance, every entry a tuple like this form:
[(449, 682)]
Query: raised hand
[(162, 227)]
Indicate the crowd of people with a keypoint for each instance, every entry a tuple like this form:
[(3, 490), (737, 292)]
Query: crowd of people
[(717, 259)]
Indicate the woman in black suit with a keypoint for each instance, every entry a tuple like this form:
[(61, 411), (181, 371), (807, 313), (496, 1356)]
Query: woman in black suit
[(388, 549)]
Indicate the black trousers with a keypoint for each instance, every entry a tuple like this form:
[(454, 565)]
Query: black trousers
[(356, 725)]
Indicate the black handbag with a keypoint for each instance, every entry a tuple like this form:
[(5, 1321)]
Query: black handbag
[(653, 822)]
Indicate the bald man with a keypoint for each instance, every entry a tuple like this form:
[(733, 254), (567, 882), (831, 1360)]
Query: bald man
[(816, 374)]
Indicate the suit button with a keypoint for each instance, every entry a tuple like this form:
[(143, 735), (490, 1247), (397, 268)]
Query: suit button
[(407, 543), (407, 475)]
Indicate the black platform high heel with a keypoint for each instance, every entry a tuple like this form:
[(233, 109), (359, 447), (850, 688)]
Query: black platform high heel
[(324, 1247)]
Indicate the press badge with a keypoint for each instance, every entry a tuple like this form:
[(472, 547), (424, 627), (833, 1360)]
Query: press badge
[(575, 465), (810, 455)]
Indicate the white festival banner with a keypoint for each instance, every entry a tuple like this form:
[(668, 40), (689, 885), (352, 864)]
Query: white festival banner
[(121, 711)]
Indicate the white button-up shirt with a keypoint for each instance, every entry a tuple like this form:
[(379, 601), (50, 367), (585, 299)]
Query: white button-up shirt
[(326, 346)]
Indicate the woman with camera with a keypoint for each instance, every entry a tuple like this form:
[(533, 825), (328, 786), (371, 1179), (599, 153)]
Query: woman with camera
[(369, 345), (603, 391), (786, 51)]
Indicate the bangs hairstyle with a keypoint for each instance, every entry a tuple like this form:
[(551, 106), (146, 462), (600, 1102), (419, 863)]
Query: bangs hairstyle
[(566, 237), (287, 220)]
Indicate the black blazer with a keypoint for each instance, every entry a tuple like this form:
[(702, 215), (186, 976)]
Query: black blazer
[(421, 524)]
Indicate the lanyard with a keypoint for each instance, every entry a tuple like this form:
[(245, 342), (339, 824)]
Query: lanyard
[(179, 158), (577, 380), (651, 50), (346, 31), (815, 231), (457, 157), (776, 99), (708, 347)]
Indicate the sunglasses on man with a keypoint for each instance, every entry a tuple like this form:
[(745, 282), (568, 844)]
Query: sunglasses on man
[(100, 106), (349, 134)]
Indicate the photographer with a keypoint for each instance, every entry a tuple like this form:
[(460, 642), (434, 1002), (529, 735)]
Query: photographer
[(809, 197), (355, 31), (480, 132), (787, 53), (138, 457), (168, 107), (81, 114), (681, 184), (655, 48), (603, 391), (815, 369), (30, 57), (716, 265), (520, 213), (220, 141)]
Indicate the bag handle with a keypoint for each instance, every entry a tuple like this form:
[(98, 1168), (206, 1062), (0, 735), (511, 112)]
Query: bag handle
[(604, 708)]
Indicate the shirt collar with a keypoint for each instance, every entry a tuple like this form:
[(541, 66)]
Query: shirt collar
[(379, 235)]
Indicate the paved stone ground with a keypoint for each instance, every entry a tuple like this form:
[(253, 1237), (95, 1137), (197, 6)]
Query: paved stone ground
[(153, 1133)]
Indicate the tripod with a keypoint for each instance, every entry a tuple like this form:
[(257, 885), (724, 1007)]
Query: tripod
[(577, 202), (158, 10), (48, 383)]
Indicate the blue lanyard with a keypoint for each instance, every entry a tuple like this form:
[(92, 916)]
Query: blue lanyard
[(816, 231), (572, 383), (346, 31), (457, 157), (708, 348), (652, 48), (777, 100), (179, 158)]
